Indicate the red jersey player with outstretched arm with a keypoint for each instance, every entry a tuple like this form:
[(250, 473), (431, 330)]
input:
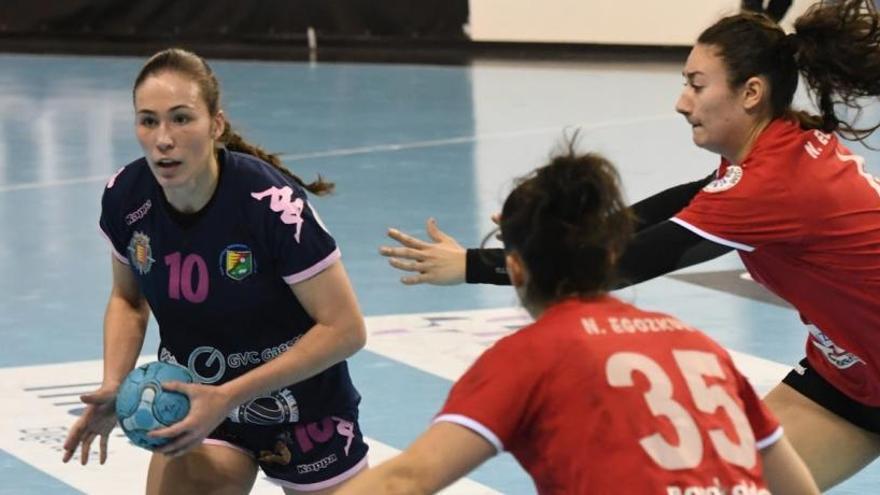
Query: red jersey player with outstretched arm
[(597, 396), (800, 198)]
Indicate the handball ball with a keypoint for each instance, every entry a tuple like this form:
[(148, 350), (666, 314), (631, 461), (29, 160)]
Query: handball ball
[(142, 405)]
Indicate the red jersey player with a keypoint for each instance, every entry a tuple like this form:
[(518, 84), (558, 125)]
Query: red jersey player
[(799, 207), (794, 190), (596, 396)]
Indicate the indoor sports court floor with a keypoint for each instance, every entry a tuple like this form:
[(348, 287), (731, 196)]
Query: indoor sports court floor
[(402, 142)]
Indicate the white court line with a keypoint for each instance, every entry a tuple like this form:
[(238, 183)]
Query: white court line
[(379, 148), (54, 183), (468, 139)]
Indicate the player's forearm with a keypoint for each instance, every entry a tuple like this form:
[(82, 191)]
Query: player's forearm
[(662, 249), (320, 348), (663, 205), (785, 472), (486, 266), (125, 325), (392, 477)]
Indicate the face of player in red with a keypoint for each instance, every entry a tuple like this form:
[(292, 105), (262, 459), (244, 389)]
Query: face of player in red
[(177, 134), (724, 120)]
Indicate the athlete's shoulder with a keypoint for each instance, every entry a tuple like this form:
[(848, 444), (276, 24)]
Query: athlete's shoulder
[(254, 173), (262, 187), (130, 180), (785, 145), (769, 171)]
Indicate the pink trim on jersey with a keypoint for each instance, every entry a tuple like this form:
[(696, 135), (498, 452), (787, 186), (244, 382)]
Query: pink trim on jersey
[(118, 256), (474, 426), (112, 180), (769, 440), (311, 487), (314, 269), (712, 237), (221, 443)]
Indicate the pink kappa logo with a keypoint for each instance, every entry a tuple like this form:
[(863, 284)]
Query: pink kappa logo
[(280, 202)]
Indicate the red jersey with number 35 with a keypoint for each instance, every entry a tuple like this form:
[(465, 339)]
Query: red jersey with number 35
[(598, 396), (805, 217)]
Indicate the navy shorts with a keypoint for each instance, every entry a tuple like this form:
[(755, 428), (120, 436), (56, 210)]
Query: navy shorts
[(303, 456), (814, 387)]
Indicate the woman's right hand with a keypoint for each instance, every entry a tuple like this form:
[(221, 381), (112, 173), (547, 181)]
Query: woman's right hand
[(97, 420), (442, 261)]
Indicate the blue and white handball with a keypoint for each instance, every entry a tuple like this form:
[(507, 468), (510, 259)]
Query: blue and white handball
[(142, 405)]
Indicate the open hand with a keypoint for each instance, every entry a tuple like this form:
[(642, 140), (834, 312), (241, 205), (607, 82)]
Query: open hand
[(97, 420), (440, 261)]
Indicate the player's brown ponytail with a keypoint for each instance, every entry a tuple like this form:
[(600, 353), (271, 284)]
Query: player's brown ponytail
[(835, 46), (569, 222)]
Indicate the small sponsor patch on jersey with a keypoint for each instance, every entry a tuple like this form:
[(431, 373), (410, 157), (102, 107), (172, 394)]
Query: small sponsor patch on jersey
[(139, 213), (732, 176), (836, 355), (140, 254), (237, 262)]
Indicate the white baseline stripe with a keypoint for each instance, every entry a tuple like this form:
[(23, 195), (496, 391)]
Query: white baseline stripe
[(54, 183), (467, 139), (372, 149)]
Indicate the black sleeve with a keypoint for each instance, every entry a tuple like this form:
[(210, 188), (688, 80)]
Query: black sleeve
[(486, 266), (663, 205), (662, 249)]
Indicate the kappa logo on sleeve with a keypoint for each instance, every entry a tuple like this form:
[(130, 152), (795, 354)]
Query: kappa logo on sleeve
[(139, 213), (732, 176), (280, 201)]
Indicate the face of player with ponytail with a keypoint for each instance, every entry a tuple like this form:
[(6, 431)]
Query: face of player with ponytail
[(723, 119), (177, 134), (741, 74), (178, 123)]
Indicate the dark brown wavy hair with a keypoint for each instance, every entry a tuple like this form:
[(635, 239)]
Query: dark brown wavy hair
[(569, 223), (196, 68), (835, 46)]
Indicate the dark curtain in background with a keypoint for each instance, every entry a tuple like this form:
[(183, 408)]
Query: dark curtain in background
[(231, 20)]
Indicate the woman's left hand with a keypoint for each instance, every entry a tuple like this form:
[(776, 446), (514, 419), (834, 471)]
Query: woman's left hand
[(208, 407)]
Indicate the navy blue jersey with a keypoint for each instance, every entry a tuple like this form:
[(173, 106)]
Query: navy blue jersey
[(219, 286)]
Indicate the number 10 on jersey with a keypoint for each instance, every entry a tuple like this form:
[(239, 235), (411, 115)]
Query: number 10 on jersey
[(180, 277)]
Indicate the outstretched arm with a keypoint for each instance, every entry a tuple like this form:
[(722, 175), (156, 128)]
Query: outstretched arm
[(665, 204), (443, 261), (654, 251), (662, 249), (442, 455)]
